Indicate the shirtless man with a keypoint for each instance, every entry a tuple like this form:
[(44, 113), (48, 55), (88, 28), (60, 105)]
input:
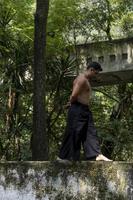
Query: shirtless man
[(80, 127)]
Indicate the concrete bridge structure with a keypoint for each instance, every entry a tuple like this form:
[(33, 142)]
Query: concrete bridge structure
[(115, 57)]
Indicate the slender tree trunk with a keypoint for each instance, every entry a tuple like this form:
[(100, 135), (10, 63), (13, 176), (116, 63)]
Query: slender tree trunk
[(13, 134), (108, 29), (39, 142)]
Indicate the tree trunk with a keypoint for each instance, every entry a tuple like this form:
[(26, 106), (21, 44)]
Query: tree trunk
[(39, 142)]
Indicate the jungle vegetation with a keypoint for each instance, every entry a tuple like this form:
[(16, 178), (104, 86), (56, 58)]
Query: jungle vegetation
[(69, 23)]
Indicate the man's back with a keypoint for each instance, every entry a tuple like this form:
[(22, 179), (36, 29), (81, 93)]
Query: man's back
[(84, 91)]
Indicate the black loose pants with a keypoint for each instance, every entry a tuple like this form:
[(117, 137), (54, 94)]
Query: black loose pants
[(80, 129)]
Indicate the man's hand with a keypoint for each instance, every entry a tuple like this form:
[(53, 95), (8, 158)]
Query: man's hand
[(67, 105)]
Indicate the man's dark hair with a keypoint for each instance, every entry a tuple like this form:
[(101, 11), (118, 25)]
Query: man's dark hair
[(94, 65)]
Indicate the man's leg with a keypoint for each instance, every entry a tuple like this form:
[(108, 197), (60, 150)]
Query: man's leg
[(91, 143), (66, 151), (76, 124)]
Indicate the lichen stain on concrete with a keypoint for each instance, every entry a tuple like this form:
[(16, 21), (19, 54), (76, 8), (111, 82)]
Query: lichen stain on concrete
[(57, 181)]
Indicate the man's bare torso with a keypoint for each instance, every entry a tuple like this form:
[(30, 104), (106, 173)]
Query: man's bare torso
[(85, 93)]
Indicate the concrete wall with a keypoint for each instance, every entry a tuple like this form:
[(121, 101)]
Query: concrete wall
[(66, 181)]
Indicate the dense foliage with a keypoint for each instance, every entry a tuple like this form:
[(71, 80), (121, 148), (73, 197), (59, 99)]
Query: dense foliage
[(69, 23)]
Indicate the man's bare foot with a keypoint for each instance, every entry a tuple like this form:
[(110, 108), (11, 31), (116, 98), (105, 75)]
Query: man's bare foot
[(62, 160), (101, 157)]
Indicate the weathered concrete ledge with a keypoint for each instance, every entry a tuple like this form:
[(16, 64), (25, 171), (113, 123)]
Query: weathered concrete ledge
[(66, 181)]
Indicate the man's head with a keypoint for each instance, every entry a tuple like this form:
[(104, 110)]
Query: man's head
[(93, 69)]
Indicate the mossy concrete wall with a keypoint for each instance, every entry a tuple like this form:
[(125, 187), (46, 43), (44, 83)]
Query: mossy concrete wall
[(66, 181)]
